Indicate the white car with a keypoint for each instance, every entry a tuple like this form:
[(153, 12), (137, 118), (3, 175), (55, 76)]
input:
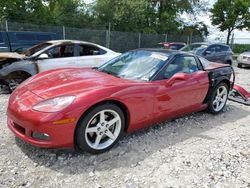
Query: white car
[(15, 68), (244, 59)]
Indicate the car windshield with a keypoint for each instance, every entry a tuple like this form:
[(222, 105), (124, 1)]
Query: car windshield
[(36, 48), (195, 48), (135, 65)]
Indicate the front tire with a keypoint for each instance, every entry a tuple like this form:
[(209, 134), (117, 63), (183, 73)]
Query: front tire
[(239, 65), (218, 98), (100, 129)]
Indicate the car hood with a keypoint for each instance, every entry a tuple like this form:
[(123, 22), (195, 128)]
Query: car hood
[(11, 55), (245, 54), (71, 81)]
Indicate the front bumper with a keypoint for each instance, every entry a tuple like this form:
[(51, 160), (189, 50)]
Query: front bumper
[(28, 124), (59, 136)]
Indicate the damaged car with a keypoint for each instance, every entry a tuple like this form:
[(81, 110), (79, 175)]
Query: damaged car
[(15, 68), (91, 108)]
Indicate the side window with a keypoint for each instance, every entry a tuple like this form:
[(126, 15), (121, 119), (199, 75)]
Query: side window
[(214, 49), (184, 64), (86, 50), (218, 49), (211, 50), (226, 49), (61, 51)]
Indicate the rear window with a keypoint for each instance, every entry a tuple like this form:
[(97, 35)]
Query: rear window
[(25, 36), (43, 37), (226, 49), (1, 38)]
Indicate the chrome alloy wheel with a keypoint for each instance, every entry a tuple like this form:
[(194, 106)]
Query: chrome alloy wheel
[(220, 98), (103, 129)]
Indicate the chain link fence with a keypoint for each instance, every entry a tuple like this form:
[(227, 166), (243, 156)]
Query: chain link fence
[(115, 40)]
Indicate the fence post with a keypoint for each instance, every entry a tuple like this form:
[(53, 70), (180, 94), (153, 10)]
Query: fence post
[(191, 37), (64, 36), (6, 25), (139, 40), (109, 35), (187, 39), (166, 37)]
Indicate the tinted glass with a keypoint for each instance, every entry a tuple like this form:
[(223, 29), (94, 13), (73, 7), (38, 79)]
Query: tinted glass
[(204, 62), (61, 51), (43, 37), (194, 47), (215, 49), (1, 38), (135, 65), (226, 49), (25, 36), (86, 50), (184, 64)]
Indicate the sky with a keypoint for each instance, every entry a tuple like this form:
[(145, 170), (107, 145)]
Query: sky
[(214, 34)]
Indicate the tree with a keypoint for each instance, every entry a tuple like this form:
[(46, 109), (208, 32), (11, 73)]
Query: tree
[(168, 12), (231, 14), (125, 15), (150, 16), (48, 12)]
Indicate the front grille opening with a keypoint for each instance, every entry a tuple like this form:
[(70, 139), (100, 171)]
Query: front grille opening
[(40, 136), (19, 128)]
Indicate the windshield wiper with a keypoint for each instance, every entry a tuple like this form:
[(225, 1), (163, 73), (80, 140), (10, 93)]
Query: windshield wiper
[(109, 72)]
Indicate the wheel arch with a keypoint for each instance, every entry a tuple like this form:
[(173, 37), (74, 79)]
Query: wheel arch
[(19, 73), (229, 61), (118, 103), (211, 88)]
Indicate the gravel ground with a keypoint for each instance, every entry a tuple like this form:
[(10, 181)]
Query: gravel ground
[(198, 150)]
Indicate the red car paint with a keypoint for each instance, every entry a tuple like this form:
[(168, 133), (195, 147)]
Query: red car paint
[(242, 91), (147, 102)]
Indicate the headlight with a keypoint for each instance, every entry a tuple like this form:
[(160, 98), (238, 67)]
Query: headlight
[(55, 104)]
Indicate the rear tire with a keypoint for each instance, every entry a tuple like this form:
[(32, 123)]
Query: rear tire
[(100, 129), (218, 98)]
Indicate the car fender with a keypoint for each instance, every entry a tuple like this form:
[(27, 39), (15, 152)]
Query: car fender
[(217, 76), (23, 66), (130, 96)]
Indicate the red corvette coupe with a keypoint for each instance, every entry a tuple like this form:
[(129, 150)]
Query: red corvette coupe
[(92, 108)]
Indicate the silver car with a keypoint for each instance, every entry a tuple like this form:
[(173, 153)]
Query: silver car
[(244, 59)]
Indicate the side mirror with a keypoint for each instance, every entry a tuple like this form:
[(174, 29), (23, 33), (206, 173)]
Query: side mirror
[(43, 56), (207, 52), (178, 76)]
